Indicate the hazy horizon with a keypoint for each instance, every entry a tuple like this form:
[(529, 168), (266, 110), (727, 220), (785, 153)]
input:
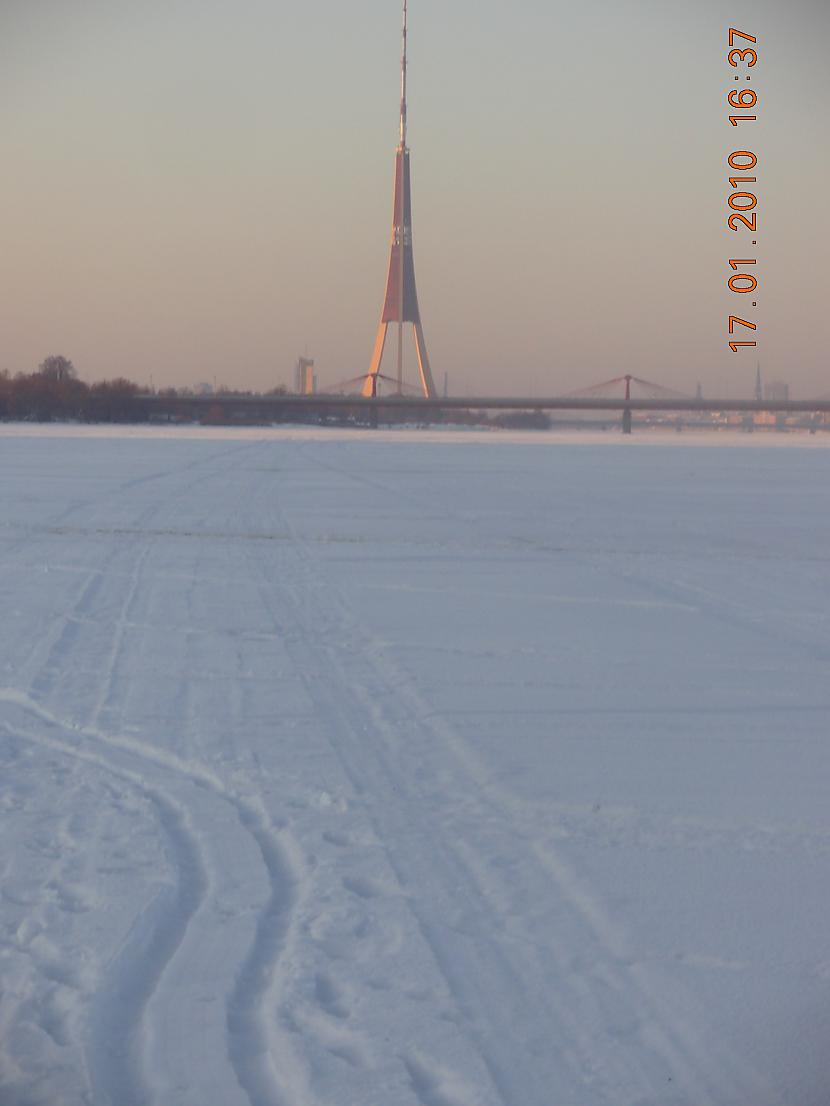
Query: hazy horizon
[(203, 192)]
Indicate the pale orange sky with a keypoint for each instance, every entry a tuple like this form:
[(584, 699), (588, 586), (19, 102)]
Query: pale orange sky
[(201, 191)]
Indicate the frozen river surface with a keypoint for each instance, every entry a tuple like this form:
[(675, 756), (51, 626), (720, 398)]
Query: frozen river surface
[(413, 770)]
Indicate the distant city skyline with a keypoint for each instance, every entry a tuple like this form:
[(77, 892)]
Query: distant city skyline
[(199, 192)]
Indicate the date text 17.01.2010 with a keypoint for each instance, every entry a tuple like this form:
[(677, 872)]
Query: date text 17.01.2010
[(743, 216)]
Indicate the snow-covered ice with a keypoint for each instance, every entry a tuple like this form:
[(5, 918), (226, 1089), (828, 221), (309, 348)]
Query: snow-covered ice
[(413, 769)]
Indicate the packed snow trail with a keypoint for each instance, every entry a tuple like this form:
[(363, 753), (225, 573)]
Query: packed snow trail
[(409, 769)]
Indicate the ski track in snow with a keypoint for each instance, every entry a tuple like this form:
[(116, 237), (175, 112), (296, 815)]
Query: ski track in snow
[(118, 1011), (117, 1070), (372, 681), (354, 686), (138, 968)]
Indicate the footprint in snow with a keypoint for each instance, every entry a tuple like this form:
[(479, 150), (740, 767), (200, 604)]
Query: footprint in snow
[(73, 899), (363, 887), (330, 997), (338, 1041), (434, 1085)]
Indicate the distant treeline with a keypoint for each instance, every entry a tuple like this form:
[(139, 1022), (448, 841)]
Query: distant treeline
[(39, 397), (55, 394)]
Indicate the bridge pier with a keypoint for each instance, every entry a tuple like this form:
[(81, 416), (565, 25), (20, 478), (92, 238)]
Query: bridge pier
[(626, 420)]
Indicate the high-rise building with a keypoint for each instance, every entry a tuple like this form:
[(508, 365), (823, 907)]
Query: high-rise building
[(304, 380)]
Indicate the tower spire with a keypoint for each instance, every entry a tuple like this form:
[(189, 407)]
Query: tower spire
[(403, 80), (400, 304)]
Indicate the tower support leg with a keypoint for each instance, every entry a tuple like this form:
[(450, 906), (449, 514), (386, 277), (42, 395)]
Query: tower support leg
[(427, 383), (626, 420), (370, 383)]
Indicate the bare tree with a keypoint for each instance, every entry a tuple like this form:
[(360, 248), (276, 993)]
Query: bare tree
[(56, 367)]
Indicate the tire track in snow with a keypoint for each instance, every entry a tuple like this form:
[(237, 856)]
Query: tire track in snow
[(249, 1040), (115, 1064), (485, 976), (673, 1035), (117, 648), (706, 1074), (729, 610), (351, 727), (252, 1050), (250, 1044), (353, 688), (42, 684)]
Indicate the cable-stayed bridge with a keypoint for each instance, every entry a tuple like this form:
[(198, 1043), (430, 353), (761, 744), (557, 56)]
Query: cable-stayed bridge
[(341, 402)]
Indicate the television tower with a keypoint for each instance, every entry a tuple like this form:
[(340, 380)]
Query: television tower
[(400, 304)]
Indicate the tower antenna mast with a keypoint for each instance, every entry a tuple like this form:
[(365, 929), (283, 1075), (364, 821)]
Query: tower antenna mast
[(400, 202), (403, 79)]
